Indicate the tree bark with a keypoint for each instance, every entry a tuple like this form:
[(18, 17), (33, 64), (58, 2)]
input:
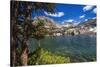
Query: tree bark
[(13, 53), (24, 54), (14, 31), (13, 45)]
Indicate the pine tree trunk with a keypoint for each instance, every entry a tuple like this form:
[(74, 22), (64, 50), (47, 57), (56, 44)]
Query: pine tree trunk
[(24, 54), (13, 53), (14, 31)]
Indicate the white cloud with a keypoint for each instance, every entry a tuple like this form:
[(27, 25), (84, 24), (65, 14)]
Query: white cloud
[(94, 18), (82, 16), (70, 20), (76, 23), (95, 10), (58, 14), (87, 8), (86, 19)]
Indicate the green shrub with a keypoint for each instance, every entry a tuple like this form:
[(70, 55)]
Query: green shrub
[(41, 56)]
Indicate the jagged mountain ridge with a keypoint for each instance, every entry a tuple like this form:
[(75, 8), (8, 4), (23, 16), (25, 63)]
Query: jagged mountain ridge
[(50, 22)]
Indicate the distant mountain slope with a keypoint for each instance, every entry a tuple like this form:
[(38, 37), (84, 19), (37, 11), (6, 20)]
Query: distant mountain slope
[(90, 22), (47, 21)]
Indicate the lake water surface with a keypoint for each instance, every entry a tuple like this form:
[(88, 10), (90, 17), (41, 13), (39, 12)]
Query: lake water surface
[(79, 47)]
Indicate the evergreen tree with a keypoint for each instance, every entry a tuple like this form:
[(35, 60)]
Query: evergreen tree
[(23, 9)]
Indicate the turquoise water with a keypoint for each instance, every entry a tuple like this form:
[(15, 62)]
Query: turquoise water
[(78, 48)]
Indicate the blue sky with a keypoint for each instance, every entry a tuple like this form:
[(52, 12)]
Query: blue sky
[(71, 13)]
